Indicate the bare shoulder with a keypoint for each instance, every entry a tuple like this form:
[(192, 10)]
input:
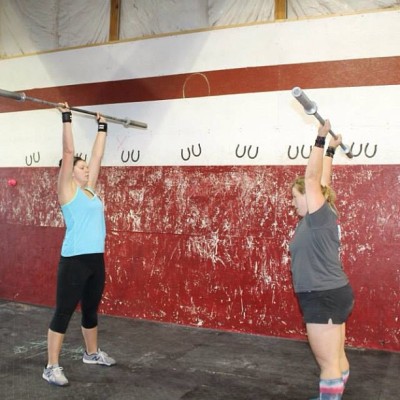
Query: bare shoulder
[(66, 192)]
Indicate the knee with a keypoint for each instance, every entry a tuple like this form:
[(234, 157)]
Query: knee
[(60, 322), (89, 320)]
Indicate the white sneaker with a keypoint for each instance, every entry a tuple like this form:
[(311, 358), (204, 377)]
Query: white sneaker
[(100, 358), (55, 376)]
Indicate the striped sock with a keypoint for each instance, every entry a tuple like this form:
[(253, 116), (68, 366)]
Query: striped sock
[(345, 376), (331, 389)]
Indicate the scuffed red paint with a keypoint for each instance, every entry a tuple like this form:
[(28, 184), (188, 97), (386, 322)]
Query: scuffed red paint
[(208, 246)]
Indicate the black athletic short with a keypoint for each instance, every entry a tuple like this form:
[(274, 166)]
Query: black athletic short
[(318, 307)]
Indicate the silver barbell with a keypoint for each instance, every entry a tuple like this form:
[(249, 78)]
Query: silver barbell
[(310, 108), (20, 96)]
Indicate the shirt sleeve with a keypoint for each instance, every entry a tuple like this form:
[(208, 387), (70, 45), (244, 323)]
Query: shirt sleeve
[(322, 217)]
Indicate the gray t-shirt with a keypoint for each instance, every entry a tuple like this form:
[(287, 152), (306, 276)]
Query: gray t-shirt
[(314, 251)]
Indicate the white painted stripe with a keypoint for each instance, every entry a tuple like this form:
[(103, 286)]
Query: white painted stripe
[(220, 126)]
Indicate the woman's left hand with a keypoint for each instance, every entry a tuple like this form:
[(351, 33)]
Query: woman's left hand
[(100, 118)]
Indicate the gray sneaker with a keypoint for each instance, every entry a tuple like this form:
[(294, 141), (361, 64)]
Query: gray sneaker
[(55, 376), (100, 358)]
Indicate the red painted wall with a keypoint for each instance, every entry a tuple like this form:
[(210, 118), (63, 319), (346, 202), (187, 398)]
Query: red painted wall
[(208, 246)]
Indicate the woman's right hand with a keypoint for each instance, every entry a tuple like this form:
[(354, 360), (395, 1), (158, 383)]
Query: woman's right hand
[(323, 130), (63, 107)]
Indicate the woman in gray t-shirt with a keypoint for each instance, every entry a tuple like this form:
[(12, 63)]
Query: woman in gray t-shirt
[(322, 287)]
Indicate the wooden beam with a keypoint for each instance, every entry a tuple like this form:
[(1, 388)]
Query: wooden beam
[(114, 20), (280, 9)]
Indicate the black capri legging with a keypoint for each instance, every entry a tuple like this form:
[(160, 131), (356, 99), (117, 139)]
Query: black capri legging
[(79, 279), (319, 307)]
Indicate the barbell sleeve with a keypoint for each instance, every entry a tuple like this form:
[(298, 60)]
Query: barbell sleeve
[(12, 95), (311, 108)]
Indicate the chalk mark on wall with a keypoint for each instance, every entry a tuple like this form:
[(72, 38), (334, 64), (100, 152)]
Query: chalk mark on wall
[(120, 142), (206, 247), (192, 76)]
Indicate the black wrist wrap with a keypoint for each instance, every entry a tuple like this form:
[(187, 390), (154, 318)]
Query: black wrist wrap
[(102, 127), (320, 142), (66, 116), (330, 151)]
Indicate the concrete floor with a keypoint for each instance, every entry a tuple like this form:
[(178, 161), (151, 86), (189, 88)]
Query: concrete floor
[(169, 362)]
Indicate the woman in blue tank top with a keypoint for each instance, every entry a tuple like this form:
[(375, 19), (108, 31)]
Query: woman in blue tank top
[(81, 270), (321, 285)]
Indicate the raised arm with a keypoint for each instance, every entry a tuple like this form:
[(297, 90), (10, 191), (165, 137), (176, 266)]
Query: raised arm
[(328, 159), (314, 171), (66, 187), (97, 151)]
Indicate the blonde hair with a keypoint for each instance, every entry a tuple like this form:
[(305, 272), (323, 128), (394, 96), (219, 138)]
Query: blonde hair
[(328, 193)]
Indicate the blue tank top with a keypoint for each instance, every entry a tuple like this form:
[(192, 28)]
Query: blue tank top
[(85, 222)]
